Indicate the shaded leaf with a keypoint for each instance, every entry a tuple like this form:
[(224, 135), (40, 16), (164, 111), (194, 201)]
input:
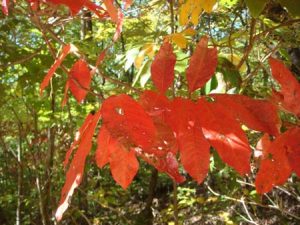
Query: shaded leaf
[(289, 93), (79, 80), (256, 6), (103, 143), (275, 168), (292, 6)]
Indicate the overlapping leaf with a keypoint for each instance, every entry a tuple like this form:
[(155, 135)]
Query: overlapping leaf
[(193, 147), (225, 134), (162, 153), (202, 65), (123, 162), (260, 115), (280, 158), (126, 119)]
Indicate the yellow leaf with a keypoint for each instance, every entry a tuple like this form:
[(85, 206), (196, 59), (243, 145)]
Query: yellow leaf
[(235, 60), (139, 59), (208, 5), (149, 50), (179, 40), (189, 32), (184, 12), (195, 14)]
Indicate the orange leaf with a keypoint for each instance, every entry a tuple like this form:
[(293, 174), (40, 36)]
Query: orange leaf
[(79, 80), (162, 68), (128, 3), (225, 135), (202, 66), (290, 87), (112, 10)]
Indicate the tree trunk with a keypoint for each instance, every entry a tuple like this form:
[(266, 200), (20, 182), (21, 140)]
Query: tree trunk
[(20, 178)]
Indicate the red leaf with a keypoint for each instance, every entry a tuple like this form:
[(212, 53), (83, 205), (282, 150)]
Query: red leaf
[(154, 104), (225, 135), (76, 169), (99, 61), (274, 168), (34, 4), (164, 141), (123, 164), (103, 143), (5, 4), (74, 6), (292, 143), (79, 135), (119, 26), (128, 3), (258, 115), (98, 10), (193, 147), (79, 80), (126, 119), (66, 50), (162, 68), (112, 10), (262, 144), (167, 164), (280, 158), (202, 66), (290, 87)]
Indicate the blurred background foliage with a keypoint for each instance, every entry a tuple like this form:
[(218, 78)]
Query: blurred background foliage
[(35, 131)]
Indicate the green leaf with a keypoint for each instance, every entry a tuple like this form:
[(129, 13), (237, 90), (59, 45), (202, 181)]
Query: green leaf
[(228, 3), (256, 6), (293, 6)]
